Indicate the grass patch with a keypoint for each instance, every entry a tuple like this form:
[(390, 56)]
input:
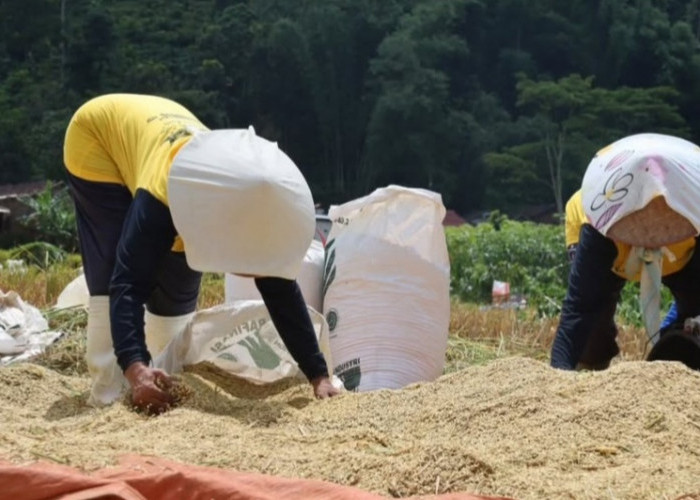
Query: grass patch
[(212, 290), (67, 354), (38, 287), (477, 335)]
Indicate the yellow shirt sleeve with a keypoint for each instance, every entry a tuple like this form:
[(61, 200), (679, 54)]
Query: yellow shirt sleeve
[(129, 139), (574, 218)]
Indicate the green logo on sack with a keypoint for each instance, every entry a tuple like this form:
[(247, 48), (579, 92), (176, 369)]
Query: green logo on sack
[(350, 373), (261, 352), (332, 319), (228, 357), (328, 265), (248, 336)]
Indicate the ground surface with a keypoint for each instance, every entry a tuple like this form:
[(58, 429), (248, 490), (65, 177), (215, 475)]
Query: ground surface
[(512, 427)]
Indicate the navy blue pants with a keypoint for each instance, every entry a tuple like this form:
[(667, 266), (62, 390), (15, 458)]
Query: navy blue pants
[(101, 208), (586, 332)]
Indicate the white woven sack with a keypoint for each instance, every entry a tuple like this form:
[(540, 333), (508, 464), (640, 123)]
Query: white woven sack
[(310, 281), (386, 283), (240, 205), (240, 339), (24, 331), (626, 175), (75, 294)]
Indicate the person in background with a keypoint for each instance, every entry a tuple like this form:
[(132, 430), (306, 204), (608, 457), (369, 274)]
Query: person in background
[(574, 218), (603, 337), (601, 263), (160, 198)]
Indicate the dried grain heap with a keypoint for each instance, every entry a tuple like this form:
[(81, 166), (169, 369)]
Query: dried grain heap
[(514, 427)]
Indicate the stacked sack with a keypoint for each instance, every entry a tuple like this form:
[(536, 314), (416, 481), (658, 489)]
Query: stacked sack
[(386, 289), (310, 281)]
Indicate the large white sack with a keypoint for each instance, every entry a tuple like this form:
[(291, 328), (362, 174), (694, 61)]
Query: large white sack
[(240, 204), (626, 175), (75, 294), (24, 331), (386, 284), (310, 281), (240, 339)]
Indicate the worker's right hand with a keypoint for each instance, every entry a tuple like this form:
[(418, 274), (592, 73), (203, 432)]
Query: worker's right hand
[(323, 388), (150, 388)]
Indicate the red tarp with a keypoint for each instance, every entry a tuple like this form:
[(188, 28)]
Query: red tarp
[(139, 478)]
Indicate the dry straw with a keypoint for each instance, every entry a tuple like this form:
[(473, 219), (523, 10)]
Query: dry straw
[(511, 427), (496, 424)]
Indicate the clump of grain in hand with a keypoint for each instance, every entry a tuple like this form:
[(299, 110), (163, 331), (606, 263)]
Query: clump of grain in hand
[(176, 387), (180, 391)]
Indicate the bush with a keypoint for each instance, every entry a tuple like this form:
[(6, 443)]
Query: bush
[(52, 218), (531, 257), (40, 254)]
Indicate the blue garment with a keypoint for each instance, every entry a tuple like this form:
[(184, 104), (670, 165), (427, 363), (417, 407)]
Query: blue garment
[(589, 306), (671, 316)]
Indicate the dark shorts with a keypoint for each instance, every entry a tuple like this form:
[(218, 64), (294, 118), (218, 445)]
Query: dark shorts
[(101, 209), (600, 349), (587, 322)]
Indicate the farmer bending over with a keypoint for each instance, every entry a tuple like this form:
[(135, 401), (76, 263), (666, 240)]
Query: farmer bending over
[(159, 199), (641, 224), (603, 336)]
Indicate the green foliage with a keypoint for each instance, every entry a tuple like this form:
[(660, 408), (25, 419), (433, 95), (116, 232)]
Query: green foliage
[(529, 256), (39, 254), (52, 217), (628, 309), (495, 104), (563, 123), (417, 127)]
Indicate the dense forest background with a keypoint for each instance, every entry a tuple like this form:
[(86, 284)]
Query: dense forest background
[(496, 104)]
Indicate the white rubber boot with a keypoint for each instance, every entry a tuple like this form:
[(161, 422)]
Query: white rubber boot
[(160, 330), (107, 378)]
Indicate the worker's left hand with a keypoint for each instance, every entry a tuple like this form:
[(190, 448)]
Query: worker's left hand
[(323, 388)]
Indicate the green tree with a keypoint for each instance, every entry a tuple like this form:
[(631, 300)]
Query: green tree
[(418, 125), (23, 98), (29, 28), (563, 116), (53, 217), (224, 49), (566, 120), (90, 50)]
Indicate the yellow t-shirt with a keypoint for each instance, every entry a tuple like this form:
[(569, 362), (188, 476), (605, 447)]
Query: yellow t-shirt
[(575, 217), (128, 139)]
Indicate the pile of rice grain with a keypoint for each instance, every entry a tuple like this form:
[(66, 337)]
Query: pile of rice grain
[(513, 427)]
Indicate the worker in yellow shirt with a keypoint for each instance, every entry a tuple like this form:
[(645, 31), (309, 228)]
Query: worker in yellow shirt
[(601, 346), (639, 170), (160, 198), (574, 219)]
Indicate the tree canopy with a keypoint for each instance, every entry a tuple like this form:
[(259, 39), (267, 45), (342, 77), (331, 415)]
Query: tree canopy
[(493, 103)]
